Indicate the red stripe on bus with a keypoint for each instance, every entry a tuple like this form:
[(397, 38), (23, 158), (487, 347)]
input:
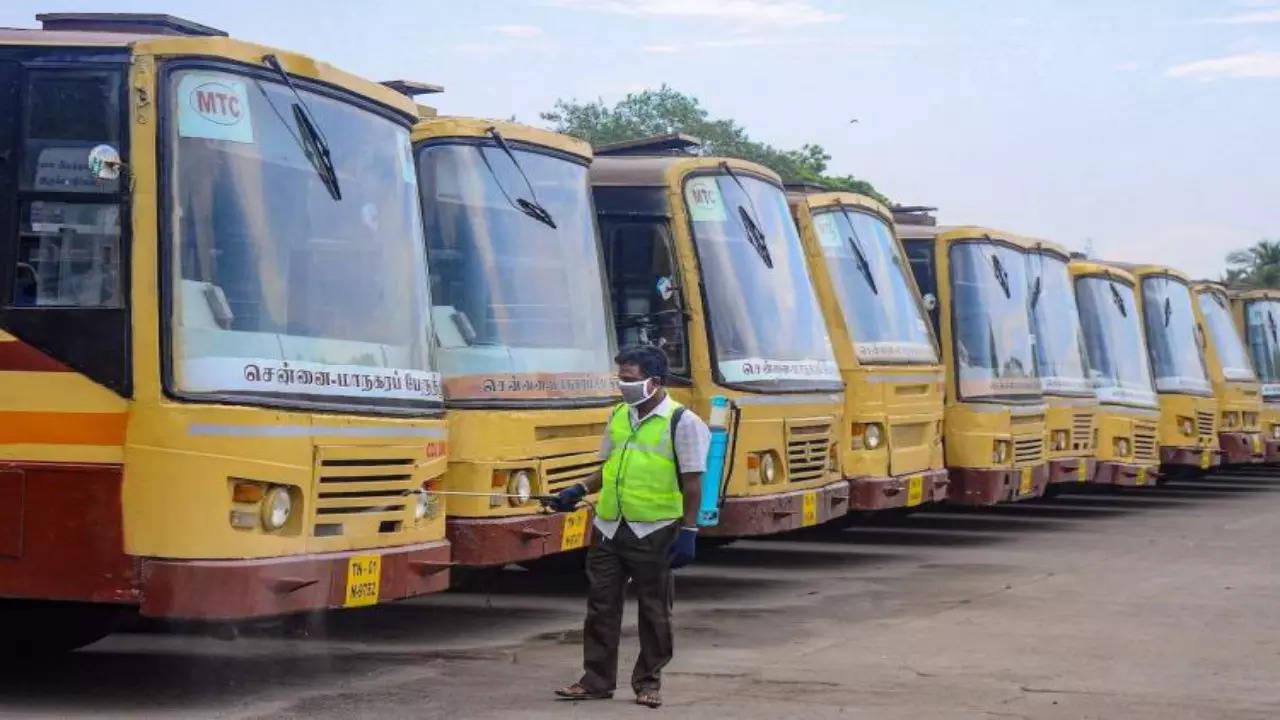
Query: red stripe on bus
[(17, 355)]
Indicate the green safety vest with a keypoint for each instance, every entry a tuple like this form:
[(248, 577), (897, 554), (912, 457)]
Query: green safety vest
[(640, 478)]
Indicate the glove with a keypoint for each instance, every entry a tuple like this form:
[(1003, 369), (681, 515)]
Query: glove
[(566, 500), (682, 548)]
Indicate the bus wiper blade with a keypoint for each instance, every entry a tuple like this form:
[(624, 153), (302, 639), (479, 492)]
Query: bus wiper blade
[(1035, 293), (1118, 299), (863, 266), (530, 207), (1271, 322), (1168, 311), (314, 145), (1002, 277), (755, 235)]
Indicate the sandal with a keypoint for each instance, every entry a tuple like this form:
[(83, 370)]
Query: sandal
[(575, 691), (649, 698)]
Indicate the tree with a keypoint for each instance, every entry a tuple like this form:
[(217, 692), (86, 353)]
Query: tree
[(1257, 266), (664, 111)]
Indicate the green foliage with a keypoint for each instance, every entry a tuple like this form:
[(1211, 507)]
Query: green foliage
[(1257, 266), (664, 111)]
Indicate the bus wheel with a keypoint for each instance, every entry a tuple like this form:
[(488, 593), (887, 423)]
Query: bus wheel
[(32, 629)]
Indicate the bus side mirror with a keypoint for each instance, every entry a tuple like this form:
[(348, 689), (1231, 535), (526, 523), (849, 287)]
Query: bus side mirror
[(930, 301), (104, 163)]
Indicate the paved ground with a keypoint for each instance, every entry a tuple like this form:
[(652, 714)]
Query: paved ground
[(1158, 603)]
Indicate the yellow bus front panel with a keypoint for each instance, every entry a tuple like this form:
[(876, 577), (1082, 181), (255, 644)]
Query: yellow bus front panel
[(1235, 383), (1257, 318)]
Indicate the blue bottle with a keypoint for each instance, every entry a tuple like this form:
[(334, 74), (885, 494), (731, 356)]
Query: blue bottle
[(718, 422)]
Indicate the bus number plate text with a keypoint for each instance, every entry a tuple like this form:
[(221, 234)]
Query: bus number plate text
[(364, 577), (1024, 483), (575, 530), (809, 509), (915, 490)]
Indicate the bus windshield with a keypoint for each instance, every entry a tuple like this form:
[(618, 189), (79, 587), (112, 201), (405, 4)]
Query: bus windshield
[(1171, 336), (1118, 365), (1262, 329), (519, 305), (1226, 341), (868, 271), (280, 292), (1055, 322), (989, 305), (767, 330)]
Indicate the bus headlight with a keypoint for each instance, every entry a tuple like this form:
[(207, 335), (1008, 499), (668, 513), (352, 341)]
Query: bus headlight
[(425, 504), (1000, 452), (768, 468), (1275, 432), (1122, 447), (1059, 439), (1186, 426), (872, 436), (519, 488), (276, 508), (1250, 420)]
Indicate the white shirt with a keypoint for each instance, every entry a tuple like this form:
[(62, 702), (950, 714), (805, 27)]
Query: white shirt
[(693, 440)]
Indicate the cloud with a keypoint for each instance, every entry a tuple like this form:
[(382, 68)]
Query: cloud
[(776, 13), (517, 31), (1246, 65), (1257, 17), (660, 49)]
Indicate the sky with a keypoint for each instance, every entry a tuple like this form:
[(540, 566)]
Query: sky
[(1142, 130)]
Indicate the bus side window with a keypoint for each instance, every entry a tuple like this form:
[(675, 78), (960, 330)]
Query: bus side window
[(920, 255), (648, 307)]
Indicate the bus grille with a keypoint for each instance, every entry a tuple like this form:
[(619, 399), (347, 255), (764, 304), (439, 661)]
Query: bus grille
[(364, 490), (1028, 450), (1144, 442), (1082, 430), (1204, 425), (561, 472), (807, 451)]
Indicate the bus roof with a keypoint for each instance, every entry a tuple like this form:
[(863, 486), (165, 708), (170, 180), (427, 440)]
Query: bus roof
[(824, 199), (1139, 270), (458, 126), (1256, 294), (1209, 285), (1086, 268), (664, 170), (962, 232), (216, 46), (1047, 246)]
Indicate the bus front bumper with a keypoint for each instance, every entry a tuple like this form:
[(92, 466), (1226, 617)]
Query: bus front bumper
[(988, 486), (1111, 472), (884, 493), (264, 587), (480, 542), (1271, 454), (1241, 448), (790, 510), (1072, 470), (1190, 457)]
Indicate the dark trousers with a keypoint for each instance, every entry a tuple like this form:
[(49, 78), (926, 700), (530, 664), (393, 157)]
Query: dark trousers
[(610, 563)]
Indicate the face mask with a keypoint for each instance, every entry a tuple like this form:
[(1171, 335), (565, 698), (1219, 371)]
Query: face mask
[(634, 393)]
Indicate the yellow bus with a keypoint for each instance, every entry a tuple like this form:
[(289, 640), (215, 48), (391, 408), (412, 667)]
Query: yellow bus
[(891, 437), (1257, 313), (976, 280), (1061, 364), (1128, 416), (523, 330), (1235, 385), (219, 402), (704, 262), (1188, 411)]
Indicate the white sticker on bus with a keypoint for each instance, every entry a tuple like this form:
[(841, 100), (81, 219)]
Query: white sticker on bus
[(214, 106), (702, 194), (827, 230), (891, 351), (752, 369), (229, 374)]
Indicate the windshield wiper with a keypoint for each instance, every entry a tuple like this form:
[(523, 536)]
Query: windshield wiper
[(1035, 293), (1271, 323), (310, 138), (755, 235), (1118, 299), (1168, 311), (531, 206), (1002, 276), (863, 266)]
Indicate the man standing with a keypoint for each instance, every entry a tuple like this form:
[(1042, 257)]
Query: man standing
[(654, 453)]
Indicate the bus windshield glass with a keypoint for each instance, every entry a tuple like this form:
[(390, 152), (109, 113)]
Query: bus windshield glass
[(1055, 322), (869, 274), (518, 305), (1171, 336), (280, 292), (767, 330), (1118, 366), (1215, 309), (1262, 328), (989, 305)]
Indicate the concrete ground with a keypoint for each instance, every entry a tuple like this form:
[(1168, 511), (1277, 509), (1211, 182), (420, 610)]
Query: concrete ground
[(1158, 603)]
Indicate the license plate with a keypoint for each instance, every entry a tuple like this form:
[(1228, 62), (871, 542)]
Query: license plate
[(1257, 443), (1204, 459), (809, 509), (1024, 484), (575, 530), (1082, 472), (364, 577), (1142, 476), (915, 490)]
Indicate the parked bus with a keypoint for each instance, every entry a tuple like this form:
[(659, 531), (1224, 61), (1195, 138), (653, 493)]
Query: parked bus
[(1235, 385), (1188, 410), (975, 280), (218, 401), (704, 262), (1257, 313), (1128, 416), (523, 331), (891, 437), (1061, 364)]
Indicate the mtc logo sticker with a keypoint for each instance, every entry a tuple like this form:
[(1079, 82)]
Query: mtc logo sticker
[(214, 106)]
